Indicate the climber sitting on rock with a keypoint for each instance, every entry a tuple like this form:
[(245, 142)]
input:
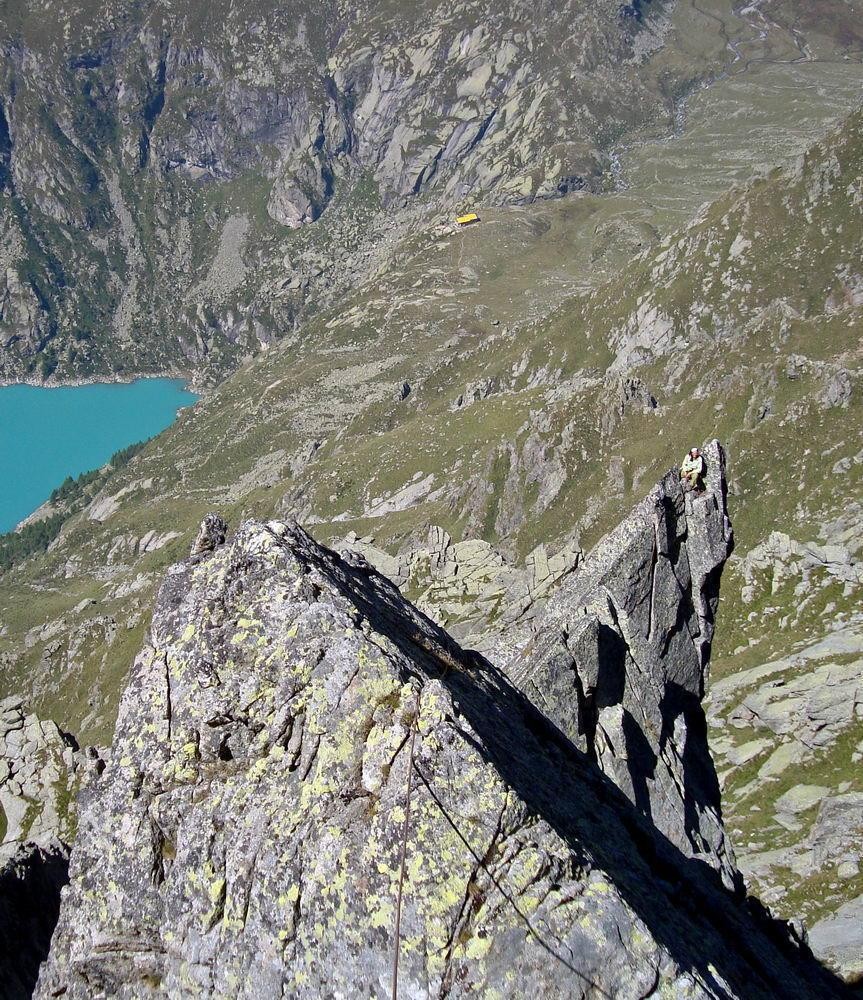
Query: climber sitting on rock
[(692, 471)]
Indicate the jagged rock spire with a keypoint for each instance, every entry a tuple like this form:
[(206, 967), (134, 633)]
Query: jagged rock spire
[(246, 838), (621, 653)]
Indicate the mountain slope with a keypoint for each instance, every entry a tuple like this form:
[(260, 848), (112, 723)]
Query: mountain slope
[(300, 753), (457, 395), (159, 167), (155, 161), (400, 409), (556, 428)]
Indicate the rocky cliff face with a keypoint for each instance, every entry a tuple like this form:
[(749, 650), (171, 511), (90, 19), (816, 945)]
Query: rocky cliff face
[(153, 164), (620, 657), (41, 770), (309, 776)]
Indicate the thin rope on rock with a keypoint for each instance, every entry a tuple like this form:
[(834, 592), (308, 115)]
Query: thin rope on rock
[(404, 850), (480, 861)]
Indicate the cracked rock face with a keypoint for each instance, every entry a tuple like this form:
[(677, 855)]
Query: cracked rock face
[(246, 837), (37, 779), (620, 657)]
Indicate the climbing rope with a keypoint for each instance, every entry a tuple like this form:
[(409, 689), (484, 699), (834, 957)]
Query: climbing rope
[(448, 663), (404, 850), (446, 660)]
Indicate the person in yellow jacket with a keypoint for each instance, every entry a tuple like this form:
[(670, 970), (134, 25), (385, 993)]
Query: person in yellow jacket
[(692, 471)]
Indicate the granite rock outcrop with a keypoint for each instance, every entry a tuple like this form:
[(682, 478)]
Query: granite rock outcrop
[(41, 770), (310, 778), (620, 656)]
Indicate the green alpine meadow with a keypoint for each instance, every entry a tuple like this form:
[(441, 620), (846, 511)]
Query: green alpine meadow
[(431, 469)]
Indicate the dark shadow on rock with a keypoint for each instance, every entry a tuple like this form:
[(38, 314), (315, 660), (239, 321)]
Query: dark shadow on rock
[(611, 679), (30, 885), (701, 783), (640, 761), (702, 925), (707, 929)]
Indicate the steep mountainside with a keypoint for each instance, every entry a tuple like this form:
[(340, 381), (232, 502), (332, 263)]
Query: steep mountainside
[(439, 402), (160, 163), (747, 323), (518, 435), (309, 776), (155, 160)]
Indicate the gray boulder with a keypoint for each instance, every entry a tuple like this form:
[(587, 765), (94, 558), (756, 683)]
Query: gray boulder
[(838, 940), (837, 391)]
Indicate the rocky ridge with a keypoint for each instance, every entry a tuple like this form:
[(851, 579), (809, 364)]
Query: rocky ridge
[(620, 656), (663, 549), (745, 325), (294, 728)]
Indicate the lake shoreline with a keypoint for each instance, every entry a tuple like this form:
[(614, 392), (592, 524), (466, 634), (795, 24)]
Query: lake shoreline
[(188, 378)]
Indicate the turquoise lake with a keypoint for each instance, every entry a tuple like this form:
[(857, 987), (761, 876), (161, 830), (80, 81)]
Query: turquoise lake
[(48, 434)]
